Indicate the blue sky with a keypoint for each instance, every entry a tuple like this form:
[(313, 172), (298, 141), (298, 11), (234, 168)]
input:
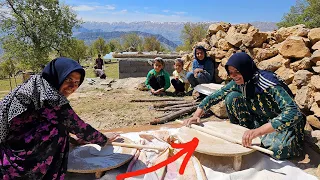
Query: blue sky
[(233, 11)]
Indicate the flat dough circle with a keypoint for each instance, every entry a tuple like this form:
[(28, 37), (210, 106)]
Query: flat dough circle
[(107, 150)]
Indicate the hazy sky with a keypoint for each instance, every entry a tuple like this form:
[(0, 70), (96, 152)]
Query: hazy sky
[(233, 11)]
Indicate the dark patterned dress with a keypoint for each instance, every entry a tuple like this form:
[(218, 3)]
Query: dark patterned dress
[(274, 105), (38, 143)]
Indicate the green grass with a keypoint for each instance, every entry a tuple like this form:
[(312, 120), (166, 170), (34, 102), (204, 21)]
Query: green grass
[(5, 84), (111, 70)]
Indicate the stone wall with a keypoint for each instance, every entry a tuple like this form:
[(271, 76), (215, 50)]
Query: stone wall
[(293, 53), (140, 67)]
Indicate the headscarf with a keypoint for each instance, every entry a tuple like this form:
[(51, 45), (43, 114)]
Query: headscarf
[(58, 69), (204, 51), (37, 91), (255, 80)]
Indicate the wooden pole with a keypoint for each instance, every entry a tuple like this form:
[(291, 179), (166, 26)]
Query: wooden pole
[(169, 103), (174, 115), (227, 138), (157, 100)]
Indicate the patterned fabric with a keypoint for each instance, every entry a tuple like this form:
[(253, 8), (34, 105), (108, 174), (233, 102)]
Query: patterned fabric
[(34, 93), (37, 145), (275, 105), (35, 124)]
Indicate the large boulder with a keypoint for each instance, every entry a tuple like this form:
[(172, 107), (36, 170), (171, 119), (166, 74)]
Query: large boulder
[(220, 110), (213, 41), (302, 78), (294, 47), (315, 81), (221, 34), (304, 97), (262, 54), (254, 38), (204, 44), (222, 73), (286, 74), (293, 88), (274, 63), (315, 56), (298, 30), (313, 121), (316, 46), (214, 28), (304, 63), (224, 45), (234, 38), (314, 35), (315, 109)]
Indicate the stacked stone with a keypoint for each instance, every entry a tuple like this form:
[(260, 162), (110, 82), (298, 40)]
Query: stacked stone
[(293, 53)]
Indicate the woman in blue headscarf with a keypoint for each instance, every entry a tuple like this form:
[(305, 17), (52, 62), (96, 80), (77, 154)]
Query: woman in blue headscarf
[(202, 68), (258, 100), (35, 121)]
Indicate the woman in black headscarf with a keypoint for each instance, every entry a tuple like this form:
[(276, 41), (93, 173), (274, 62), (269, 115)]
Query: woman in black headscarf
[(258, 100), (35, 121)]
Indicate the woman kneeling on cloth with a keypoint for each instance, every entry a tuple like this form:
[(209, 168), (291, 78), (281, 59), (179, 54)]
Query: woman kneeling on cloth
[(35, 121), (258, 100)]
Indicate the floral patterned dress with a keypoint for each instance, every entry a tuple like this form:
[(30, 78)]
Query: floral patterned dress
[(274, 105), (38, 143)]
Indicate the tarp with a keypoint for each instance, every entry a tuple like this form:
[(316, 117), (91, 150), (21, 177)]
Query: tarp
[(255, 166)]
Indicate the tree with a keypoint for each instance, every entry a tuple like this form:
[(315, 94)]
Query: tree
[(114, 45), (191, 34), (99, 46), (35, 28), (132, 41), (303, 12), (75, 49), (151, 44)]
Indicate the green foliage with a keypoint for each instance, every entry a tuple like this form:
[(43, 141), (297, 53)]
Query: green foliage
[(132, 41), (191, 34), (114, 45), (304, 12), (99, 46), (151, 44), (74, 49), (34, 29)]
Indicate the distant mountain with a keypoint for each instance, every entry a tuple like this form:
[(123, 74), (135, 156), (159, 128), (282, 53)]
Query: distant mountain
[(169, 30), (91, 35)]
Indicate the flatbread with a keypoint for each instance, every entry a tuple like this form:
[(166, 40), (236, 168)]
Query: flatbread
[(108, 150), (92, 158), (212, 145)]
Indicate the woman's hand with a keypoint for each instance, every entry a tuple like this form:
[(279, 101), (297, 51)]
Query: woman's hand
[(112, 136), (249, 135), (192, 120)]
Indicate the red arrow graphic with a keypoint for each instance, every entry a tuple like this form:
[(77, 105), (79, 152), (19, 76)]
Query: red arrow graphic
[(188, 148)]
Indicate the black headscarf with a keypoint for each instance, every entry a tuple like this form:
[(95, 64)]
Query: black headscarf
[(201, 48), (58, 69), (255, 80), (37, 92)]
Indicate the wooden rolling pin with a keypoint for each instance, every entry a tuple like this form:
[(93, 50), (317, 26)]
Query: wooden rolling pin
[(137, 146), (227, 138)]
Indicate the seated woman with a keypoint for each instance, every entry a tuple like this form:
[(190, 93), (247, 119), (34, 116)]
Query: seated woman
[(258, 100), (202, 68), (35, 121)]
